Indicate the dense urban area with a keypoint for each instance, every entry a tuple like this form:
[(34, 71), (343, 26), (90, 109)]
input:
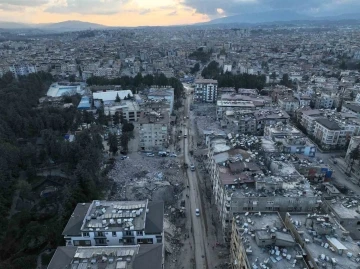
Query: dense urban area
[(181, 147)]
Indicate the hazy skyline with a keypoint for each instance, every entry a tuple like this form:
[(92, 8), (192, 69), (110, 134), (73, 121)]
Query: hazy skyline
[(158, 12)]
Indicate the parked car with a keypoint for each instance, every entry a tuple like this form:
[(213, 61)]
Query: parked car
[(192, 167), (123, 157), (197, 212), (150, 154), (173, 155)]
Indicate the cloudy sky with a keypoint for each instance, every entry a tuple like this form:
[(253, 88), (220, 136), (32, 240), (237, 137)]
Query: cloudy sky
[(159, 12)]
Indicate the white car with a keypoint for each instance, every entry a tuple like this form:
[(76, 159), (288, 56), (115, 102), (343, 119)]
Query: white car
[(150, 154), (173, 155), (197, 212)]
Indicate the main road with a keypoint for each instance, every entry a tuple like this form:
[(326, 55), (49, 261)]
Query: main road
[(201, 253)]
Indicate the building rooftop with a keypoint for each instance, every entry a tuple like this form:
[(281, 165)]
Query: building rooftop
[(205, 81), (159, 92), (267, 242), (116, 216), (331, 125), (237, 103), (111, 95), (58, 89), (154, 118), (345, 207), (352, 107), (270, 113), (110, 257), (325, 241)]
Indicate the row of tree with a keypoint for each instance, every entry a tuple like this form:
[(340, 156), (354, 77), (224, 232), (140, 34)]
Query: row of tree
[(228, 79)]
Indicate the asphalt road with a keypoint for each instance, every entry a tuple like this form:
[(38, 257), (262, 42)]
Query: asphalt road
[(338, 171), (197, 222)]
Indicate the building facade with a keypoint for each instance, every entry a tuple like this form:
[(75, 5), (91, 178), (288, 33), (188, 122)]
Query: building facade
[(206, 90)]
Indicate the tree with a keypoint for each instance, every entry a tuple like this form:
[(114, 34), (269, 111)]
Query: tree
[(117, 99), (117, 118), (195, 69), (273, 75), (124, 141), (354, 155), (127, 127), (343, 65), (72, 78), (286, 81), (113, 143)]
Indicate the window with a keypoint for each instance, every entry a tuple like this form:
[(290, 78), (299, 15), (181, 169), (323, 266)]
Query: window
[(113, 233), (139, 233), (128, 233), (86, 234)]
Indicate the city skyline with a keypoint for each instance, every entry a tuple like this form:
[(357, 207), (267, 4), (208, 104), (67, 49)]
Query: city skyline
[(161, 13)]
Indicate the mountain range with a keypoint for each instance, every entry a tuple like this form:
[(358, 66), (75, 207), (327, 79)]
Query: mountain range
[(253, 18), (278, 16)]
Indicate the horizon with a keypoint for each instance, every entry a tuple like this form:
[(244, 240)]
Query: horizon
[(133, 13)]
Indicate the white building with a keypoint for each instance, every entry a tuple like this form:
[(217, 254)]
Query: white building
[(59, 89), (206, 90), (112, 223), (22, 69), (129, 109), (108, 97), (324, 101), (153, 131), (288, 104)]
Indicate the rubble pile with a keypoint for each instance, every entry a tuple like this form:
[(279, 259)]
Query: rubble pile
[(140, 177)]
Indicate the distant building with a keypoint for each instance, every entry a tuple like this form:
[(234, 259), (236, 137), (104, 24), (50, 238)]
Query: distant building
[(85, 103), (354, 142), (206, 90), (129, 109), (288, 104), (22, 69), (109, 97), (59, 89), (105, 257), (112, 223)]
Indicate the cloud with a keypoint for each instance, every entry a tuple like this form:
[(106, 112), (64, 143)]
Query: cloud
[(25, 3), (174, 13), (20, 5), (100, 7), (231, 7), (145, 11)]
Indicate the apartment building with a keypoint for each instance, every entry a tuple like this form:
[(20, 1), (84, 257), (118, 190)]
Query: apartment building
[(290, 140), (160, 93), (109, 257), (154, 131), (242, 121), (228, 107), (112, 223), (324, 101), (129, 109), (326, 243), (354, 142), (254, 232), (269, 116), (206, 90), (240, 186), (22, 69), (351, 108), (288, 104)]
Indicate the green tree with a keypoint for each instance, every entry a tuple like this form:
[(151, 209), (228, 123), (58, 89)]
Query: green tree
[(124, 141), (117, 99), (117, 118), (343, 65), (72, 78), (195, 69), (286, 81), (354, 156)]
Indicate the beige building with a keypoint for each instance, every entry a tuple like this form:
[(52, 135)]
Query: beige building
[(154, 131)]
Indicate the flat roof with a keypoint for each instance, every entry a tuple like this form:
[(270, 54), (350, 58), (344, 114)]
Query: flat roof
[(108, 257), (227, 103), (331, 125), (280, 252), (111, 95), (345, 208), (205, 81), (324, 235), (155, 118), (115, 216)]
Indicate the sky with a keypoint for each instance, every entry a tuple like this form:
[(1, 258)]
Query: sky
[(159, 12)]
